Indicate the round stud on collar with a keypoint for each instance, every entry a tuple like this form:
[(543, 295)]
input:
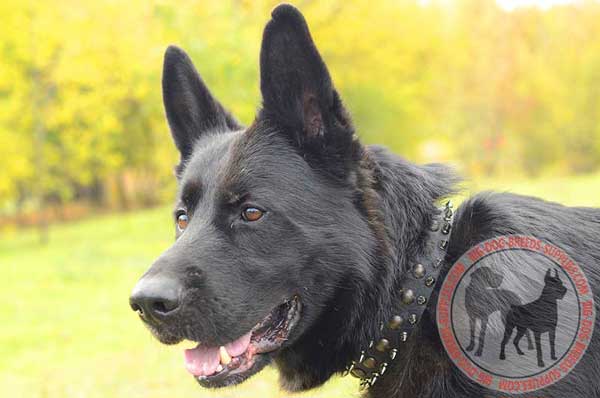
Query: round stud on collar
[(358, 373), (446, 228), (448, 212), (419, 271), (395, 322), (429, 281), (448, 215), (421, 300), (370, 363), (408, 296), (412, 319), (404, 336), (382, 345), (393, 353)]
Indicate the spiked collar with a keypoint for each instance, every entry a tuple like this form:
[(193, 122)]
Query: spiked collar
[(416, 288)]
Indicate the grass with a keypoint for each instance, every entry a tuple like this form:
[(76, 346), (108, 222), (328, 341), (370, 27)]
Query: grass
[(67, 330)]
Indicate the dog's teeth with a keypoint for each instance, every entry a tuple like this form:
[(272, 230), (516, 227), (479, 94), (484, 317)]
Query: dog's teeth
[(219, 368), (188, 344), (225, 357)]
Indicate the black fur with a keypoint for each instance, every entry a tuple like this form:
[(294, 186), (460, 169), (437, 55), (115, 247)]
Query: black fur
[(189, 106), (343, 222)]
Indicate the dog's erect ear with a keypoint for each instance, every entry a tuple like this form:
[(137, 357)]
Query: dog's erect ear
[(296, 87), (191, 109)]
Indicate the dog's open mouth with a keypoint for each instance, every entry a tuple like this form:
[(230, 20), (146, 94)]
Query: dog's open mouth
[(241, 358)]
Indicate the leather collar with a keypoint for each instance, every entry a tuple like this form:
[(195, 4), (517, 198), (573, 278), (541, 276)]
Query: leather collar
[(416, 288)]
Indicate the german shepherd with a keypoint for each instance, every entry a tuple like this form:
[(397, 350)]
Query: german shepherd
[(292, 236)]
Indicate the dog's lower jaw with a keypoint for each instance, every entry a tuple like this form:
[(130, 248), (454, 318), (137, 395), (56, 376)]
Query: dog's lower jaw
[(314, 358), (308, 364), (301, 378), (297, 382)]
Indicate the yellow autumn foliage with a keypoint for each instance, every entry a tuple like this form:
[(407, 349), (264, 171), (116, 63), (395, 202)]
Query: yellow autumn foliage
[(492, 90)]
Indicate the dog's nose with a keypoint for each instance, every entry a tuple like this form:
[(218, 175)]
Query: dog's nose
[(155, 297)]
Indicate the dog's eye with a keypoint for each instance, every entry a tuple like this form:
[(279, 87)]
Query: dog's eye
[(182, 220), (252, 214)]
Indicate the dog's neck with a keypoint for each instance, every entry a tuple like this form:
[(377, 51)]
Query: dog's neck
[(400, 200), (407, 198)]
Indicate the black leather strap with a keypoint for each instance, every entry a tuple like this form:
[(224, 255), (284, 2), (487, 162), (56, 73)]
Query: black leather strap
[(415, 293)]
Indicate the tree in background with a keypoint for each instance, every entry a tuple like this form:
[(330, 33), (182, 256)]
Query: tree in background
[(494, 91)]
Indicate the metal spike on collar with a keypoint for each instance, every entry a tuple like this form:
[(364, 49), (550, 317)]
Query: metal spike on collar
[(414, 295)]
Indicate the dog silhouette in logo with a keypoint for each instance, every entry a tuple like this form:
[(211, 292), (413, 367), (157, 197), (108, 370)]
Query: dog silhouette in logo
[(483, 297), (539, 316)]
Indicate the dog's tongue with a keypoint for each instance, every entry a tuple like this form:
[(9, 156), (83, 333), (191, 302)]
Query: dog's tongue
[(239, 346), (203, 361)]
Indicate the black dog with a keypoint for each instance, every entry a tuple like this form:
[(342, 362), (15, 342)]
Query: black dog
[(292, 236), (539, 316), (483, 297)]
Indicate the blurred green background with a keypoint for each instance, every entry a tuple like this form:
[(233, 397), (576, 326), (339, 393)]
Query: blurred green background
[(509, 95)]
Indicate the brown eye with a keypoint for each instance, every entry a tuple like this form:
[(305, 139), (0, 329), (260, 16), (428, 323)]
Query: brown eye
[(182, 221), (252, 214)]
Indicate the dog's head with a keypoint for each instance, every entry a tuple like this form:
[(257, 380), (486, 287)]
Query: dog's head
[(486, 277), (554, 288), (268, 219)]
